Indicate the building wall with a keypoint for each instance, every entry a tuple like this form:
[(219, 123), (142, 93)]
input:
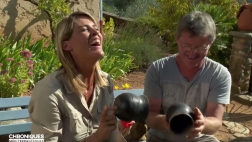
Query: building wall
[(18, 17)]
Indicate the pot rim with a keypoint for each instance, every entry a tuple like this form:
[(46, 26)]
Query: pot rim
[(178, 113), (248, 6)]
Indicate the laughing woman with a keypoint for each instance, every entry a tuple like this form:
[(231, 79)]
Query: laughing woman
[(75, 103)]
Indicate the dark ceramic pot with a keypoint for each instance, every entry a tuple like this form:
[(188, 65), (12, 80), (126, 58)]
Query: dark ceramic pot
[(180, 118), (132, 107)]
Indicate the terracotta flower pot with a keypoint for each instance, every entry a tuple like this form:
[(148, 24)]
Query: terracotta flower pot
[(244, 16)]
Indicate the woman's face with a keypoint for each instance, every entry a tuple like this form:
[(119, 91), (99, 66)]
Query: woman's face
[(85, 44)]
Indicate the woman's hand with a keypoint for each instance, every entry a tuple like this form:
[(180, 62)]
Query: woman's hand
[(198, 124), (108, 123)]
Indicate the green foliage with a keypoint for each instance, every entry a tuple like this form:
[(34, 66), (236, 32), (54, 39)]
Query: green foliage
[(167, 15), (229, 5), (45, 58), (122, 4), (116, 62), (23, 64), (15, 70), (138, 8), (225, 22), (56, 9), (109, 8), (141, 41)]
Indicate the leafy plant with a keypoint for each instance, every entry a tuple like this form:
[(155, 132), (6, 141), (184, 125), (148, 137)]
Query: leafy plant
[(45, 57), (23, 64), (122, 4), (109, 8), (16, 69), (138, 8), (141, 41), (116, 61), (225, 22), (55, 10), (169, 12)]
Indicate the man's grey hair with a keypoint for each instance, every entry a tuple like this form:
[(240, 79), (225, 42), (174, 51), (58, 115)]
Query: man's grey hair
[(198, 24)]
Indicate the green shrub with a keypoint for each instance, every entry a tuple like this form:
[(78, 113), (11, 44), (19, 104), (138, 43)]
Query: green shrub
[(55, 9), (167, 15), (141, 41), (225, 22), (138, 8), (109, 8), (45, 58), (23, 64), (116, 62)]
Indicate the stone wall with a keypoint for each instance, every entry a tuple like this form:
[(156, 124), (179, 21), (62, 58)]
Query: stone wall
[(18, 17), (240, 61)]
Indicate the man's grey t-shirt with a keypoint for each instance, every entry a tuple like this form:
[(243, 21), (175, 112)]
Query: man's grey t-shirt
[(164, 80)]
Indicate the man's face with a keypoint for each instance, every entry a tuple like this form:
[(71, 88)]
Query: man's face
[(192, 49)]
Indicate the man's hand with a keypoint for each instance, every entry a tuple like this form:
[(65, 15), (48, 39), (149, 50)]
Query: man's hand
[(199, 124)]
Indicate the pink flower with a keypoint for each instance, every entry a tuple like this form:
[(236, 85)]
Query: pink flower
[(12, 80), (22, 81), (29, 62), (1, 64), (26, 53), (30, 67), (30, 73), (9, 59), (3, 72), (19, 63)]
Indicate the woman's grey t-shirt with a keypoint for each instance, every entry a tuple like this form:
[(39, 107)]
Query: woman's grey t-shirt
[(163, 80)]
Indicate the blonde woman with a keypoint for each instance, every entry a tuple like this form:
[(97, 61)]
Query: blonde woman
[(75, 102)]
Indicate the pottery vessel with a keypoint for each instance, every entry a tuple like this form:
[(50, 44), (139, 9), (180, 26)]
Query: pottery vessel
[(131, 107), (244, 17), (180, 118)]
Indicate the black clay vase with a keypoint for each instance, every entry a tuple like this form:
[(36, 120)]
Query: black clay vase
[(131, 107), (180, 118)]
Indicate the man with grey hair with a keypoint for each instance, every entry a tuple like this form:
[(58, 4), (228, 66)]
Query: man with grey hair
[(189, 77)]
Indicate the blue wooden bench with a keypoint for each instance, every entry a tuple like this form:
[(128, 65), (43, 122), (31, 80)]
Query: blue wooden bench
[(23, 113)]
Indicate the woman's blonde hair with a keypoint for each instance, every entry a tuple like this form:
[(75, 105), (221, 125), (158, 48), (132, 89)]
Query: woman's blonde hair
[(64, 32)]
